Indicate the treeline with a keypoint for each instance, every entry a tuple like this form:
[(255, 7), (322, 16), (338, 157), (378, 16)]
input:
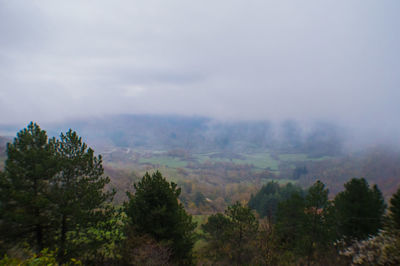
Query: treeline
[(200, 134), (306, 227), (55, 209), (379, 165)]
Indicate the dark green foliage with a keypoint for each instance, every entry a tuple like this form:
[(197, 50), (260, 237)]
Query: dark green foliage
[(318, 225), (52, 190), (25, 189), (241, 233), (231, 236), (359, 210), (215, 230), (199, 198), (215, 227), (77, 191), (305, 223), (290, 220), (299, 171), (266, 201), (154, 210), (395, 209), (98, 242)]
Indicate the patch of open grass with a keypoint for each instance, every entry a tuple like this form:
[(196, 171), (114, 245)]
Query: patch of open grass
[(259, 160), (262, 160), (294, 157)]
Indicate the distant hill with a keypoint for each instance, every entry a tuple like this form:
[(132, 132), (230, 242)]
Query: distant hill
[(200, 134)]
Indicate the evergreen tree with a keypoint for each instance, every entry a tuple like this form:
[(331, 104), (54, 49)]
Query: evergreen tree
[(77, 192), (318, 223), (395, 210), (231, 237), (290, 223), (25, 189), (51, 193), (154, 210), (266, 201), (305, 223), (359, 210), (216, 237), (241, 233)]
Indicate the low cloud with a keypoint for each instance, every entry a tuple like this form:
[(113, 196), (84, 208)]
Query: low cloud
[(257, 60)]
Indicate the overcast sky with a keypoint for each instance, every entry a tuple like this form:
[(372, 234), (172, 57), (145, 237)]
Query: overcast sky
[(227, 59)]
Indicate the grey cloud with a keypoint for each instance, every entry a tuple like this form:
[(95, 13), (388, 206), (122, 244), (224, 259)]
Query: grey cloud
[(333, 60)]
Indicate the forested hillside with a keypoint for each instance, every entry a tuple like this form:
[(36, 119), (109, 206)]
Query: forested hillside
[(201, 134), (281, 205)]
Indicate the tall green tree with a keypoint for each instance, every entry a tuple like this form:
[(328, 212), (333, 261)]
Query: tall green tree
[(242, 232), (216, 237), (359, 210), (395, 210), (155, 210), (305, 223), (25, 189), (77, 192), (231, 237), (266, 201), (290, 223), (318, 223), (52, 193)]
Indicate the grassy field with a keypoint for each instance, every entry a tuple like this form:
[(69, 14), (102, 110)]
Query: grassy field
[(293, 157), (260, 161), (300, 157)]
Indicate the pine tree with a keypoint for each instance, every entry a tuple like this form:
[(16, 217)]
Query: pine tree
[(318, 223), (395, 210), (25, 189), (77, 191), (359, 210), (241, 233), (290, 220), (154, 210), (51, 193), (231, 237)]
